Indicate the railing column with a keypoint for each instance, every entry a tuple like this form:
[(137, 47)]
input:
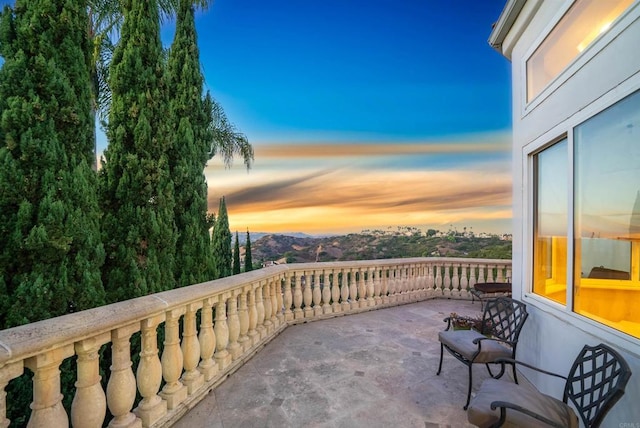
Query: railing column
[(335, 292), (243, 316), (89, 405), (260, 327), (121, 388), (234, 328), (384, 288), (344, 290), (307, 295), (46, 408), (192, 377), (391, 283), (481, 277), (7, 373), (362, 288), (297, 297), (464, 282), (317, 294), (326, 293), (472, 275), (455, 279), (353, 289), (377, 286), (431, 281), (207, 338), (149, 374), (173, 392), (490, 273), (438, 279), (288, 297), (279, 300), (275, 286), (253, 334), (268, 308), (221, 329), (371, 301)]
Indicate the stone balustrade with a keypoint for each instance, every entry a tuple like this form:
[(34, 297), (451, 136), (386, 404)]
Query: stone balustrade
[(237, 316)]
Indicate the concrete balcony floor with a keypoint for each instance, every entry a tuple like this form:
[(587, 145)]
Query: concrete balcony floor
[(374, 369)]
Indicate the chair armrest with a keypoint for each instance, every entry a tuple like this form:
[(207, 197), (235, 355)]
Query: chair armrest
[(495, 339), (504, 405), (448, 321), (512, 361)]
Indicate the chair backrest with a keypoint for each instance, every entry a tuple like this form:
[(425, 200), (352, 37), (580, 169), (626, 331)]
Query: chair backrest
[(503, 318), (596, 382)]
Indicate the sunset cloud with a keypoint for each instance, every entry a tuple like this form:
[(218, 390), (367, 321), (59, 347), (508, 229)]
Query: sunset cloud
[(325, 188)]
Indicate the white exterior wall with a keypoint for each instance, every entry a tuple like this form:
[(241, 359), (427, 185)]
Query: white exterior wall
[(604, 74)]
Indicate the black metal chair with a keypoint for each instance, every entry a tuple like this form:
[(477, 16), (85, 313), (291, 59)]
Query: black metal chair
[(596, 381), (497, 338)]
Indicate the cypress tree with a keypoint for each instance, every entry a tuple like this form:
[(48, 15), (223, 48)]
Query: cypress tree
[(236, 256), (248, 263), (50, 252), (189, 152), (221, 243), (137, 190)]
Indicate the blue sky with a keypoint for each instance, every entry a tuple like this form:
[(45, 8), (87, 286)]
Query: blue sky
[(363, 114)]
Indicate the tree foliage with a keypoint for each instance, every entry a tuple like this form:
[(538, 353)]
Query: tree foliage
[(248, 262), (221, 243), (236, 256), (136, 187), (51, 250), (189, 152)]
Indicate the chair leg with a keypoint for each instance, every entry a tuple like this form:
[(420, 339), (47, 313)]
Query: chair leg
[(441, 352), (515, 375), (470, 384)]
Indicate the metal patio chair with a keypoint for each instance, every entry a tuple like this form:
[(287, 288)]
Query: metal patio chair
[(497, 337), (596, 381)]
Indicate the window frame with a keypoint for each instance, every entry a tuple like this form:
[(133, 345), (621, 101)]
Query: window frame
[(560, 131), (631, 14)]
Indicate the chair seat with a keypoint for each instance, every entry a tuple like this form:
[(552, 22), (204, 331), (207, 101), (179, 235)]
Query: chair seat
[(480, 414), (462, 342)]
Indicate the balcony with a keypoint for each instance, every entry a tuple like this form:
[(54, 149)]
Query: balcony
[(367, 368)]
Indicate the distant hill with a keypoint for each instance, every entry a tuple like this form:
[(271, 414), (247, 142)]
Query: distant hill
[(295, 249)]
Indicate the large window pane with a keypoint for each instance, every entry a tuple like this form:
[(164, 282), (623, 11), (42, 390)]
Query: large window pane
[(578, 28), (607, 216), (550, 243)]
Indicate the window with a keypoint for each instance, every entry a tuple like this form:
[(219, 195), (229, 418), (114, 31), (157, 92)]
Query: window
[(605, 193), (583, 23)]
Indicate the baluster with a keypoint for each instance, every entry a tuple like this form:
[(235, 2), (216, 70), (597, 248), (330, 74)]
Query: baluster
[(273, 302), (499, 269), (174, 392), (149, 374), (490, 273), (411, 282), (121, 388), (317, 294), (344, 290), (207, 338), (362, 288), (260, 327), (297, 297), (384, 285), (288, 298), (431, 281), (307, 295), (377, 286), (391, 283), (46, 408), (278, 311), (326, 293), (89, 405), (335, 291), (221, 329), (481, 277), (234, 327), (253, 334), (7, 373), (243, 317), (420, 281), (447, 279), (464, 282), (353, 288), (455, 280), (266, 299), (192, 378), (508, 277), (472, 275), (438, 279), (401, 283)]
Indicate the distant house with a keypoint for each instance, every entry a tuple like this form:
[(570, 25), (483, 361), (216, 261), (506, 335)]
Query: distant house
[(576, 181)]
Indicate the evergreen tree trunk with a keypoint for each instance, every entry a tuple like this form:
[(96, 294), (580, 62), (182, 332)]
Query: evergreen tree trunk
[(236, 256), (50, 251), (190, 151), (137, 191), (221, 243), (248, 262)]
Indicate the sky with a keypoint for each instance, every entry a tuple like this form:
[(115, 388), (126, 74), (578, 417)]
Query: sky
[(363, 114)]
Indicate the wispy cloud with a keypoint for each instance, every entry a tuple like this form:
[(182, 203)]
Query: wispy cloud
[(335, 188)]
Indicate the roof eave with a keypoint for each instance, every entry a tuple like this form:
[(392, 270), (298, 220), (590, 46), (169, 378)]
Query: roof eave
[(506, 20)]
